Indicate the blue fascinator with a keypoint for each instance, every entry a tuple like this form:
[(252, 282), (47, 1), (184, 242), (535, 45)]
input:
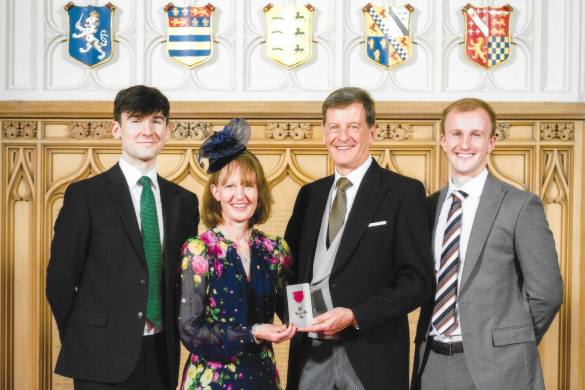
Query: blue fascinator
[(224, 146)]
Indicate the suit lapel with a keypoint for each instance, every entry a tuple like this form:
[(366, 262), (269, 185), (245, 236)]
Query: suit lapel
[(316, 206), (489, 205), (365, 205), (171, 204), (117, 188)]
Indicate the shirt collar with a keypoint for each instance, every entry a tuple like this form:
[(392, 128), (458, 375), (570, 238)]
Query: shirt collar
[(132, 174), (473, 188), (357, 174)]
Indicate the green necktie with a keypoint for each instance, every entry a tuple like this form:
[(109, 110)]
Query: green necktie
[(337, 215), (152, 250)]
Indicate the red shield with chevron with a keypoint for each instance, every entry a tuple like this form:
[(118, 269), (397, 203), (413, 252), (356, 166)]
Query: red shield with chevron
[(487, 34)]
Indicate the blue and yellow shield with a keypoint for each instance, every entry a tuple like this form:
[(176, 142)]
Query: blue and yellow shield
[(388, 34), (190, 34), (90, 34)]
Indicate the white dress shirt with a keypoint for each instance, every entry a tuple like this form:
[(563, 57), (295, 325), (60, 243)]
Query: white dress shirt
[(132, 176), (469, 205), (355, 177)]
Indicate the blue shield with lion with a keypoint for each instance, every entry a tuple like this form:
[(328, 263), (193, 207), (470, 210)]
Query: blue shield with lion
[(90, 33)]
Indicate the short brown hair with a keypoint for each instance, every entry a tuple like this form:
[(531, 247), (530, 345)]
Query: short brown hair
[(344, 97), (252, 173), (141, 101), (469, 104)]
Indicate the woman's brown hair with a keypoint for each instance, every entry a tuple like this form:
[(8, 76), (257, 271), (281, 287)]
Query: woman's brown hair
[(251, 172)]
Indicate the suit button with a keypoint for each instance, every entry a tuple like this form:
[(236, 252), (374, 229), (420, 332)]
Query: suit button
[(140, 315), (143, 283)]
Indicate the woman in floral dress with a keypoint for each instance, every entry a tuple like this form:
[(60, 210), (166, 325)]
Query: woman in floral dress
[(233, 277)]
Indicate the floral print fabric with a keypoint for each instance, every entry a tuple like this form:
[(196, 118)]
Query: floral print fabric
[(220, 304)]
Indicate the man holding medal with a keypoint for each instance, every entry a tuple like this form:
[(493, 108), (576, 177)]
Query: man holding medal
[(361, 243)]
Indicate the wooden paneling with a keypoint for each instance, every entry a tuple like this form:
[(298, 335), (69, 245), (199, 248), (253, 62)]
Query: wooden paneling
[(45, 146)]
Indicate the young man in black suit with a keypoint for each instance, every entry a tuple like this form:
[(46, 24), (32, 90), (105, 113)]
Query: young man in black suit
[(111, 279), (360, 238)]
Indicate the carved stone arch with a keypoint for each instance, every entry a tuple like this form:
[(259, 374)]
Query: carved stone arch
[(555, 176), (90, 166), (196, 171), (288, 165), (494, 170), (387, 162), (21, 175)]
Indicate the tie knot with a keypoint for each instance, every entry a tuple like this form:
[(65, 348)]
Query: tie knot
[(144, 181), (459, 195), (344, 183)]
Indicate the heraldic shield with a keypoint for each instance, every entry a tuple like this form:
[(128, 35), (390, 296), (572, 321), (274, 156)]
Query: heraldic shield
[(288, 34), (90, 34), (388, 34), (487, 35), (190, 34)]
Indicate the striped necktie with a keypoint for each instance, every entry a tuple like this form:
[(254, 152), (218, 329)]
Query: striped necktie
[(152, 250), (446, 295), (337, 214)]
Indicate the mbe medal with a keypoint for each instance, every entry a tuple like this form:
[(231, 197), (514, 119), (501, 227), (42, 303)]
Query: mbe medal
[(298, 296), (300, 312)]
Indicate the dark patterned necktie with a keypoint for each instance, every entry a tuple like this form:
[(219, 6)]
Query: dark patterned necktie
[(446, 295), (337, 215), (152, 250)]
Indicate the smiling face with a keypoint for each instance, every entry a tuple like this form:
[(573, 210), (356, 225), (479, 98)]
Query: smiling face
[(348, 137), (142, 138), (467, 143), (238, 197)]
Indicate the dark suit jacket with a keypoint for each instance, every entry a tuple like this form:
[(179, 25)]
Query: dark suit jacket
[(381, 272), (510, 291), (97, 273)]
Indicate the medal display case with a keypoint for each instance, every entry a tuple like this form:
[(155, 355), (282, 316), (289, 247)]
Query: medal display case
[(300, 308)]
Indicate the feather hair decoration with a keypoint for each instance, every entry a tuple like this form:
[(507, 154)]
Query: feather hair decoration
[(224, 146)]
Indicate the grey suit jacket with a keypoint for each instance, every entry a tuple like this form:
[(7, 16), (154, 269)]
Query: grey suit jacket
[(511, 290)]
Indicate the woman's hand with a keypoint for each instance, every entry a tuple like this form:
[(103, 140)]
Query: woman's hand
[(275, 333)]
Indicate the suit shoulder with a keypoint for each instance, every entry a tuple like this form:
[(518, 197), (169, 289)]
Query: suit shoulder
[(517, 193), (317, 185), (90, 182), (319, 182), (393, 178), (182, 190), (434, 197)]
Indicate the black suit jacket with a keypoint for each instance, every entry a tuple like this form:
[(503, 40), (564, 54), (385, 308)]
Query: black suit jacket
[(381, 272), (97, 272)]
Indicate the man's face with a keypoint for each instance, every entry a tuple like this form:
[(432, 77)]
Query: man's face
[(142, 138), (467, 143), (348, 137)]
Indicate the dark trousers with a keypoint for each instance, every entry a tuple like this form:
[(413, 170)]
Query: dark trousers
[(151, 371)]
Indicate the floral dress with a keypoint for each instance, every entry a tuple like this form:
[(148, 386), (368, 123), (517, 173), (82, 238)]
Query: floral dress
[(220, 304)]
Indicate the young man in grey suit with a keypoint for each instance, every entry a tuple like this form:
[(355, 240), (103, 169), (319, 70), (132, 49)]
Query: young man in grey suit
[(498, 281), (112, 276), (360, 238)]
